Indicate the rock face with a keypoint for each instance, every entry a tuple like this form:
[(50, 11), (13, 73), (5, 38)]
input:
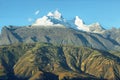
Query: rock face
[(59, 35), (42, 61)]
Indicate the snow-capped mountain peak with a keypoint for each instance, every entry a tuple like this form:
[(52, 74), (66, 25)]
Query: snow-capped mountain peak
[(55, 19), (56, 14), (80, 25), (96, 28), (78, 21), (51, 19), (50, 14)]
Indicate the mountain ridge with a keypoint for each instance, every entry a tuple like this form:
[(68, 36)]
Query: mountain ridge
[(59, 35)]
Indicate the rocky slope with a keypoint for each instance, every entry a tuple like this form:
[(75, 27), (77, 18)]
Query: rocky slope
[(41, 61), (57, 35)]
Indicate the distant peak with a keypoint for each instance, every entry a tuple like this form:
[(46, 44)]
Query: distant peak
[(50, 14), (52, 18), (80, 25), (56, 14), (97, 24), (96, 28), (78, 20), (77, 17)]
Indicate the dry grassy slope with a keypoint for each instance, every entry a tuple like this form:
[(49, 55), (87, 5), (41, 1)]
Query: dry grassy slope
[(67, 62), (46, 61), (9, 55)]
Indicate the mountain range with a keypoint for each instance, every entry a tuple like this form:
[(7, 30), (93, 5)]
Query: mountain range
[(53, 48), (60, 34), (56, 19)]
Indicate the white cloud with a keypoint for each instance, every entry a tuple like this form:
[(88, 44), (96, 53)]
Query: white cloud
[(43, 21), (37, 12), (30, 19)]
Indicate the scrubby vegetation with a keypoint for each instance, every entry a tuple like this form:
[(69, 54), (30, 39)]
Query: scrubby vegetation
[(45, 61)]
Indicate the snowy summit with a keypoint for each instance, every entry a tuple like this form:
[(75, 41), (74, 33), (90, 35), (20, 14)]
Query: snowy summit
[(56, 15), (52, 19), (55, 19), (80, 25)]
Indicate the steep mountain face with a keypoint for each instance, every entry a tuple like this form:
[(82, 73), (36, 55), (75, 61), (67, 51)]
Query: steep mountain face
[(113, 34), (49, 62), (56, 35), (7, 37)]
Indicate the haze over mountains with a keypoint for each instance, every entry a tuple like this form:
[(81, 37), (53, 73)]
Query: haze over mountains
[(53, 48)]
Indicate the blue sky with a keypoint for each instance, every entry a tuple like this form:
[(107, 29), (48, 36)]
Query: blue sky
[(20, 12)]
